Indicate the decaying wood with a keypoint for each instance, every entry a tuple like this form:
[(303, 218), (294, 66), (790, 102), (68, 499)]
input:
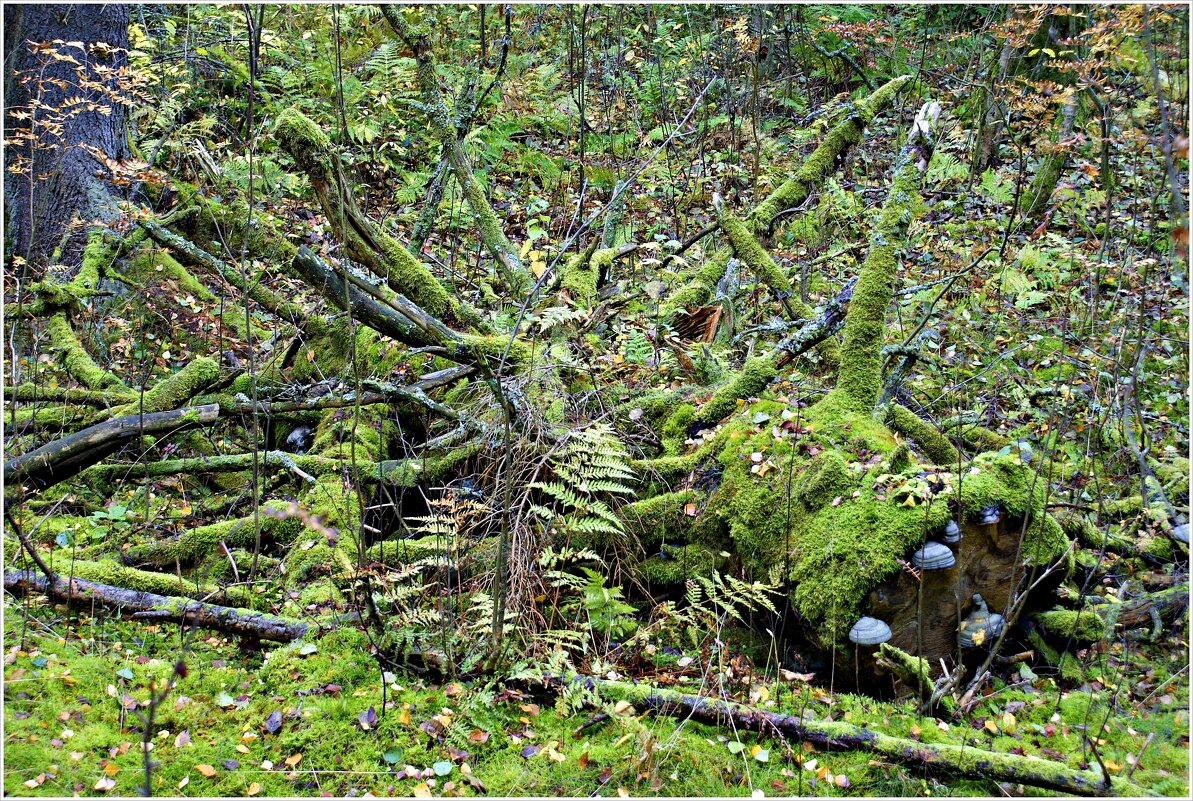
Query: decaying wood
[(243, 622), (67, 456), (963, 760), (827, 322)]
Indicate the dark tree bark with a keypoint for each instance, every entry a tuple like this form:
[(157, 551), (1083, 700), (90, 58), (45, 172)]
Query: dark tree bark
[(64, 170)]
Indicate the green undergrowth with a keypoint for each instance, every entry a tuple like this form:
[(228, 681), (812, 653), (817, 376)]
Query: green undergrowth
[(73, 686)]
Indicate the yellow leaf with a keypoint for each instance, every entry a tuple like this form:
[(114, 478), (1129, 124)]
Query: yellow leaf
[(292, 761), (185, 781), (206, 770), (421, 790), (111, 768), (254, 788), (404, 716), (991, 727)]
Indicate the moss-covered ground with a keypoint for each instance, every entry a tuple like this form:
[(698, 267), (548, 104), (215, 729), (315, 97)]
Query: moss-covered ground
[(295, 721)]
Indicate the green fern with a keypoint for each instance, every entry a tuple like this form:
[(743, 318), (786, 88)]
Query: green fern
[(996, 188), (589, 467), (945, 168)]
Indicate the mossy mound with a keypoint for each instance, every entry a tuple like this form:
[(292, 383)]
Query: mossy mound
[(827, 501)]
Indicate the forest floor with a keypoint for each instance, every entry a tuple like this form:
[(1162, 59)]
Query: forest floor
[(313, 718)]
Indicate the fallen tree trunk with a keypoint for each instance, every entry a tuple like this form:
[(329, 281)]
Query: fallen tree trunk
[(68, 456), (1102, 621), (159, 607), (967, 761)]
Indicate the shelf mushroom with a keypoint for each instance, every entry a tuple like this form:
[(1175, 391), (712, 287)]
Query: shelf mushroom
[(989, 516), (933, 556), (869, 631), (952, 533), (981, 627)]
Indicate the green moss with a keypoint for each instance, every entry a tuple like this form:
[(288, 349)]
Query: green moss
[(828, 478), (836, 540), (579, 277), (675, 429), (493, 347), (406, 274), (154, 264), (759, 261), (698, 291), (175, 390), (198, 542), (934, 445), (754, 377), (76, 360), (666, 517), (680, 564), (1083, 626), (307, 560), (302, 139), (859, 378), (824, 160)]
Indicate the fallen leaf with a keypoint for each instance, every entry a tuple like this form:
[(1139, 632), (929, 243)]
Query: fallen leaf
[(105, 783), (273, 723), (292, 761), (205, 770), (478, 736), (183, 738), (254, 788), (367, 719), (185, 781)]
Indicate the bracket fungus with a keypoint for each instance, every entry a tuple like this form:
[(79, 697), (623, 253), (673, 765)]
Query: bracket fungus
[(933, 556), (981, 626), (869, 631)]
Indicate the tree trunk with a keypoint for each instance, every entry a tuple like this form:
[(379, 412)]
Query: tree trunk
[(62, 162)]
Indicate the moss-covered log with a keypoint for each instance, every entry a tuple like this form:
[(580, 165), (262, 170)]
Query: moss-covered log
[(947, 758), (66, 457), (1102, 621), (792, 193), (509, 265), (75, 358), (366, 242), (1052, 162), (150, 605), (859, 379)]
